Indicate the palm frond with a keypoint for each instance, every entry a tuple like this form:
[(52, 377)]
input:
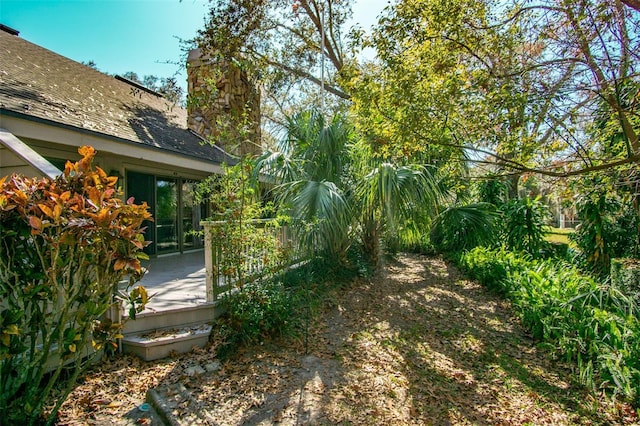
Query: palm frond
[(396, 191), (464, 227)]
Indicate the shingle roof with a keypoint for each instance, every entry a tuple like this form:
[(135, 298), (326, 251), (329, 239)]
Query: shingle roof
[(39, 83)]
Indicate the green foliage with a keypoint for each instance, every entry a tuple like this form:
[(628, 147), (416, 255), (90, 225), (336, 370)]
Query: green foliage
[(244, 246), (257, 312), (492, 266), (281, 41), (65, 246), (461, 228), (388, 195), (493, 77), (593, 325), (557, 250), (310, 171), (413, 238), (494, 191), (625, 276), (608, 230), (524, 227), (334, 190), (232, 195)]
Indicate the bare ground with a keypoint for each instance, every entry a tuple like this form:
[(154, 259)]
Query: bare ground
[(416, 344)]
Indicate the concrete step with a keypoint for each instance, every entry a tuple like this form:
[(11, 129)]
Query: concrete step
[(177, 406), (179, 317), (162, 343), (155, 335)]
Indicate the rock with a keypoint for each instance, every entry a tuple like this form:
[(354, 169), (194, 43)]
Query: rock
[(213, 366), (195, 370)]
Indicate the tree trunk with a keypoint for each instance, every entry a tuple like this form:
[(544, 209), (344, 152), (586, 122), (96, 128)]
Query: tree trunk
[(371, 240), (512, 186)]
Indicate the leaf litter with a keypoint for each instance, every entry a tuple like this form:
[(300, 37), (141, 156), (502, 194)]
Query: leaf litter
[(415, 344)]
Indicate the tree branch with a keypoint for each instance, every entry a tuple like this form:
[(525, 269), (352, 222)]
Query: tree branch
[(634, 4), (314, 15), (306, 75), (519, 167), (308, 42)]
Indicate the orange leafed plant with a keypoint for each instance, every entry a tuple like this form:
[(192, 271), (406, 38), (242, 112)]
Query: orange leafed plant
[(65, 246)]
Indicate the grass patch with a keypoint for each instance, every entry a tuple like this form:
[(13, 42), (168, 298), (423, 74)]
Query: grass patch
[(559, 235)]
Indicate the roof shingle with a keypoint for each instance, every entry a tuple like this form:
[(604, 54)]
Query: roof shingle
[(38, 83)]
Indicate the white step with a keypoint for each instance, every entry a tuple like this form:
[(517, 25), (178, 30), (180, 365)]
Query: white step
[(155, 335), (149, 321), (162, 343)]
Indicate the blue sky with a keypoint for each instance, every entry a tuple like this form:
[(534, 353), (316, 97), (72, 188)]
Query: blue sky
[(124, 35)]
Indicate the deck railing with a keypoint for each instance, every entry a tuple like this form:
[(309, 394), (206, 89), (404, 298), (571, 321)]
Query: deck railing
[(236, 253)]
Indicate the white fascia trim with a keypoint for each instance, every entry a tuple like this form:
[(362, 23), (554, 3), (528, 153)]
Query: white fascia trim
[(31, 157), (41, 131)]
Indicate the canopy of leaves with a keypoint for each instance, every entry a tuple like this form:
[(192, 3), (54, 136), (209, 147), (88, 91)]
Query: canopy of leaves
[(551, 87)]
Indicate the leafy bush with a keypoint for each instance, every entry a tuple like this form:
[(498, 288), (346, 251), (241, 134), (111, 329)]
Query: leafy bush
[(591, 324), (524, 228), (608, 230), (557, 250), (413, 239), (65, 245), (494, 191), (462, 228), (625, 275), (257, 312), (492, 266)]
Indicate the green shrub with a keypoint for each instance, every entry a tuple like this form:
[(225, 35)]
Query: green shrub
[(65, 245), (593, 325), (524, 227), (608, 230), (494, 190), (625, 275), (462, 228), (256, 312), (492, 266), (415, 241), (556, 250)]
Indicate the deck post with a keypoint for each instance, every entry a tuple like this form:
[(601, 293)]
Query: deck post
[(209, 253)]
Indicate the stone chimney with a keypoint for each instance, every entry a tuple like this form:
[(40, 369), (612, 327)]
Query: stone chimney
[(223, 105)]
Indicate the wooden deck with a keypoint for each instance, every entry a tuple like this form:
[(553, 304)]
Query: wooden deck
[(178, 315), (175, 281)]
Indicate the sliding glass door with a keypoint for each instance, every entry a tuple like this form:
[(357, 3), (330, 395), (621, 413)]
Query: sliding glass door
[(166, 215), (141, 187), (192, 214), (176, 216)]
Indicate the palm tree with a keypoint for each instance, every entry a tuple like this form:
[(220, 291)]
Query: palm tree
[(334, 188), (463, 227), (387, 195), (309, 170)]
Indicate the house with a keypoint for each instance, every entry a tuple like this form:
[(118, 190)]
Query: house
[(50, 105)]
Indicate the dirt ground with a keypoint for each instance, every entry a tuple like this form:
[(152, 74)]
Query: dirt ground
[(415, 344)]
